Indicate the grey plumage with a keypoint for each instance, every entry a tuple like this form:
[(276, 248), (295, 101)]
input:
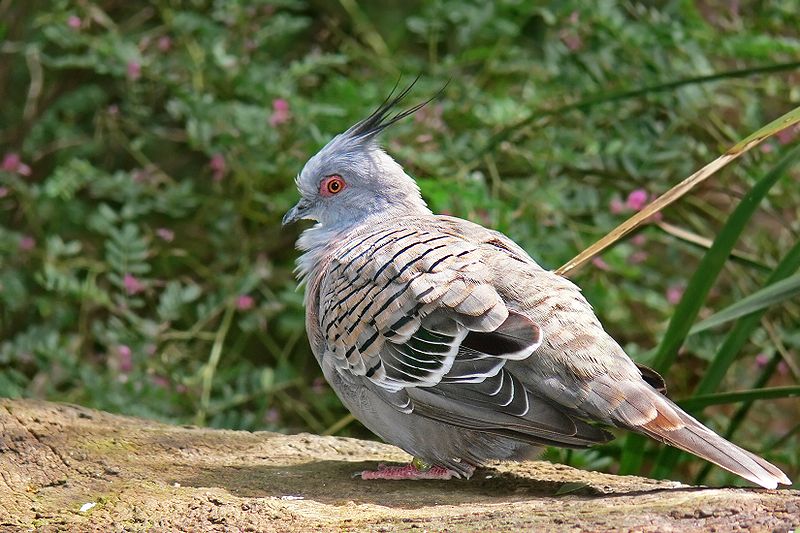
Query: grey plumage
[(446, 339)]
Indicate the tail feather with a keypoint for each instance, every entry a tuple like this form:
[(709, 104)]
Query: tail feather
[(697, 439), (637, 406)]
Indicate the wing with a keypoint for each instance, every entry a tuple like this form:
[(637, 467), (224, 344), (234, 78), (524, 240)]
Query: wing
[(414, 313), (396, 305)]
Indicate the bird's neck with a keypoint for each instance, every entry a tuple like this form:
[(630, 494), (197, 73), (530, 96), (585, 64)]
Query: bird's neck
[(320, 242), (317, 244)]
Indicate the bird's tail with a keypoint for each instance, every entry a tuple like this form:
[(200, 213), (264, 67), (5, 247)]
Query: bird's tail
[(637, 406), (694, 437)]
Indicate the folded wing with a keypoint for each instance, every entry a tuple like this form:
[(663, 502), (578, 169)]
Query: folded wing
[(416, 315)]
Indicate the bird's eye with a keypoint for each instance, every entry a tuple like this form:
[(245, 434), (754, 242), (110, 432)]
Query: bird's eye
[(333, 184)]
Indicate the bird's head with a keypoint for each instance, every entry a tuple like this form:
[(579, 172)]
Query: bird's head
[(351, 178)]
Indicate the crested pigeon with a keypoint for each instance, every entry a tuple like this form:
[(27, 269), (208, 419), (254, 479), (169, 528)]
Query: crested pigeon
[(447, 340)]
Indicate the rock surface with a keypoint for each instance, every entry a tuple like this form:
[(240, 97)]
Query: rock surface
[(64, 467)]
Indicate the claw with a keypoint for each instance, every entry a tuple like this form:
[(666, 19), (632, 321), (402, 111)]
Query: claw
[(407, 472)]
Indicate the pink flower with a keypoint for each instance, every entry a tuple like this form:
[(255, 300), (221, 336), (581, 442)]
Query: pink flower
[(431, 117), (638, 240), (218, 166), (134, 70), (655, 218), (124, 358), (281, 105), (600, 263), (484, 216), (766, 148), (10, 162), (571, 40), (132, 284), (245, 302), (13, 163), (574, 17), (139, 175), (637, 199), (569, 36), (280, 112), (675, 293), (787, 135), (318, 386), (74, 22), (733, 9), (165, 234), (160, 381), (164, 43), (762, 360), (637, 257), (3, 192), (616, 206), (27, 243), (272, 416)]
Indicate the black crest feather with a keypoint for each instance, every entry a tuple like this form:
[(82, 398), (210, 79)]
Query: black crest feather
[(381, 118)]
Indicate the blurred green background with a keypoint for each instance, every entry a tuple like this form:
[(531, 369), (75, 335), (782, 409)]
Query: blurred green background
[(149, 151)]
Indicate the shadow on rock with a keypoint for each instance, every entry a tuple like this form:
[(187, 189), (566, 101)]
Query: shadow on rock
[(333, 482)]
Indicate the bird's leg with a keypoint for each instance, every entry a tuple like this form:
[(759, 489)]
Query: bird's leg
[(416, 469)]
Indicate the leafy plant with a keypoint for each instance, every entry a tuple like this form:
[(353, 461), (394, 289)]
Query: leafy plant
[(148, 153)]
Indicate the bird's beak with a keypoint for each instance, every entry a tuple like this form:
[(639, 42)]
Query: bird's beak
[(297, 212)]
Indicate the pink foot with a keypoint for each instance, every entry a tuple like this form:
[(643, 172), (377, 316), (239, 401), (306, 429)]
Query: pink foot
[(406, 472)]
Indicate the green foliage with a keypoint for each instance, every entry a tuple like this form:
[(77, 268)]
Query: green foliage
[(760, 300), (704, 400), (712, 264), (143, 268), (697, 290)]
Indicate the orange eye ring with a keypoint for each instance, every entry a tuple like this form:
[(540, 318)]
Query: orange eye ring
[(331, 185)]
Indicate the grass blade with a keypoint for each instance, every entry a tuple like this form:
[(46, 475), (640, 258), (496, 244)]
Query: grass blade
[(759, 300), (695, 403), (678, 191), (743, 329), (705, 243), (733, 343), (741, 413), (710, 266), (617, 96), (697, 289)]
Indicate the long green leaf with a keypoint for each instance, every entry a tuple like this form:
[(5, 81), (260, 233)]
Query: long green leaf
[(736, 339), (720, 398), (760, 300), (615, 96), (741, 413), (744, 328), (742, 331), (712, 263), (698, 287)]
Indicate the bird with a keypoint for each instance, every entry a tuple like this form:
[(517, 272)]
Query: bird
[(446, 339)]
